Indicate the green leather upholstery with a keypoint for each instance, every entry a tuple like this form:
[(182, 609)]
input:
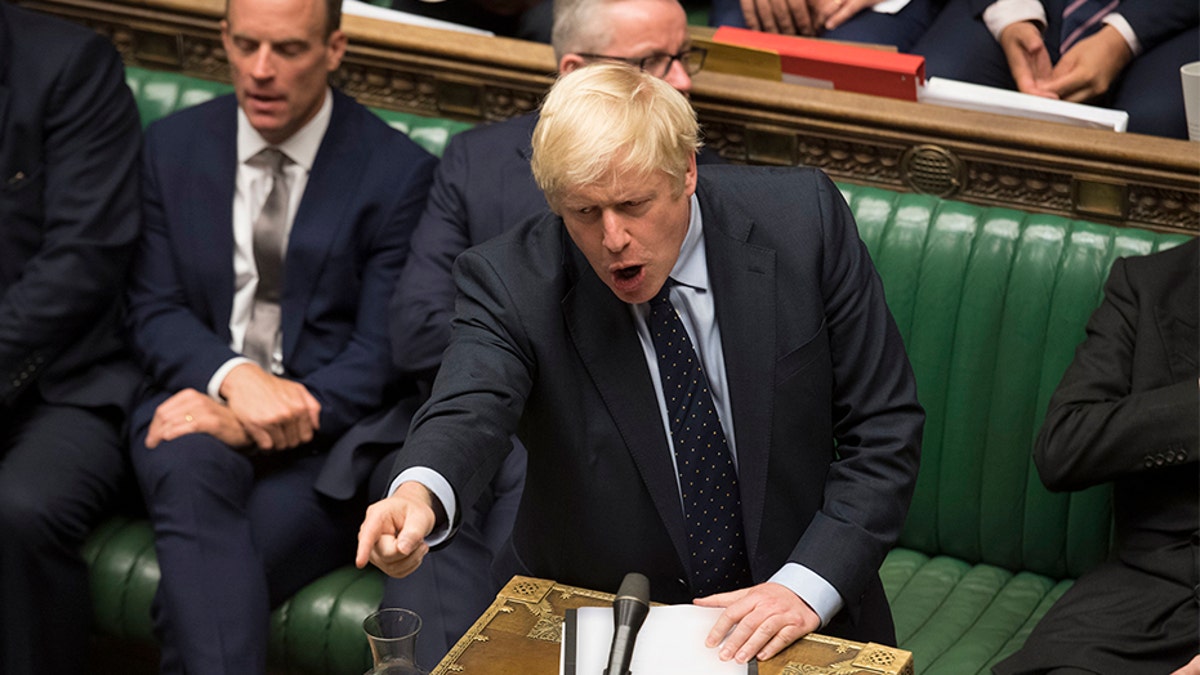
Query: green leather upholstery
[(160, 93), (991, 303)]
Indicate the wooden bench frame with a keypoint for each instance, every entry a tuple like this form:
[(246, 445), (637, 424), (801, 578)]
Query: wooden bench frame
[(1123, 179)]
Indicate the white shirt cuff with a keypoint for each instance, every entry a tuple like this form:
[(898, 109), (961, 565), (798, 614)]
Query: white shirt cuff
[(218, 378), (889, 6), (1117, 21), (440, 487), (1004, 13), (812, 589)]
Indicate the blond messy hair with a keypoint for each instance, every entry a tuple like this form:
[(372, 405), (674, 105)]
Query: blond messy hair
[(610, 119)]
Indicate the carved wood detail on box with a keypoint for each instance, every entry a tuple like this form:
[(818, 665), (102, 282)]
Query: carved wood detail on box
[(521, 633)]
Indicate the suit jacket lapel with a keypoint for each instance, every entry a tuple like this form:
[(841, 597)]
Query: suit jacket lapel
[(210, 213), (605, 337), (321, 215), (742, 278)]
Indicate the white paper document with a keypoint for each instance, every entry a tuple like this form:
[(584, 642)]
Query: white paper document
[(671, 642), (940, 91), (366, 9)]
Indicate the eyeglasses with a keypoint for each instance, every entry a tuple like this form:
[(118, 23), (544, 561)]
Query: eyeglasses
[(658, 65)]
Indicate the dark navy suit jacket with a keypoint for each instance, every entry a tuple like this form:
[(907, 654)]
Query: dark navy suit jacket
[(347, 245), (827, 422), (69, 143)]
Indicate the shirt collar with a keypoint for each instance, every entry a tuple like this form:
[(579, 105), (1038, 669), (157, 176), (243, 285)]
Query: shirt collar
[(301, 147), (691, 268)]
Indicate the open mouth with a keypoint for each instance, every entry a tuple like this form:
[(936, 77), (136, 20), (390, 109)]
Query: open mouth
[(264, 99), (628, 273)]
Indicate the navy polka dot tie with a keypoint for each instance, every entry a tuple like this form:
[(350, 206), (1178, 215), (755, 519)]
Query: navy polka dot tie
[(712, 507)]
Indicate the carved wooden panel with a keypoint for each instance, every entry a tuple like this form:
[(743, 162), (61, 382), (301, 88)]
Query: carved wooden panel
[(975, 157)]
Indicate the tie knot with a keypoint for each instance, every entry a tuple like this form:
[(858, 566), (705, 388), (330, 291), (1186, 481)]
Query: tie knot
[(271, 159), (664, 293)]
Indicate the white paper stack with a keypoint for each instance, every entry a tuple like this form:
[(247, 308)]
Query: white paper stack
[(671, 642), (955, 94), (367, 10)]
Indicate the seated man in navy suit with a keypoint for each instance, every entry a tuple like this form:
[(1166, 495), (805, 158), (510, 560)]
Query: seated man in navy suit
[(484, 187), (702, 368), (276, 223), (69, 141)]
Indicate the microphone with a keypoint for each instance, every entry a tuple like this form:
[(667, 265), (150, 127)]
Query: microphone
[(630, 608)]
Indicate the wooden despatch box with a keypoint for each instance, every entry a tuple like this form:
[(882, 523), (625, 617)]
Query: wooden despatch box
[(520, 634)]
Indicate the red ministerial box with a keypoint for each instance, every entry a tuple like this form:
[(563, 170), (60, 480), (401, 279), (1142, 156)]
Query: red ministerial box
[(843, 67)]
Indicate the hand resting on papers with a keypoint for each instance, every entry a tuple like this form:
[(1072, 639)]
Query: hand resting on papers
[(758, 622)]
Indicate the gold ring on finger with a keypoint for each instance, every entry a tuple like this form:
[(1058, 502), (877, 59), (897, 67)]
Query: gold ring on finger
[(188, 418)]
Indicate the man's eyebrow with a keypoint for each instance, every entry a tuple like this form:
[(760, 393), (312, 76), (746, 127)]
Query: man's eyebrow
[(277, 44)]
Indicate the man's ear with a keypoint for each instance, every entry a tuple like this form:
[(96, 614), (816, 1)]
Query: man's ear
[(337, 49), (570, 62)]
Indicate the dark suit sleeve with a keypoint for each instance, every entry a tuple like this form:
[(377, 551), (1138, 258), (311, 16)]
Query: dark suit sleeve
[(464, 431), (423, 304), (89, 189), (174, 345), (877, 421), (352, 384), (1097, 428), (1155, 21), (979, 6)]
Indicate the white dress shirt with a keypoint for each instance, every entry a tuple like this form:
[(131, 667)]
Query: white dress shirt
[(253, 184)]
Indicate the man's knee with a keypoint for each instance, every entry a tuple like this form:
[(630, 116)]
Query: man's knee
[(190, 464), (31, 520)]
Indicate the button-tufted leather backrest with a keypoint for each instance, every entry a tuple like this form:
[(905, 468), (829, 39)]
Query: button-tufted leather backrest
[(991, 303)]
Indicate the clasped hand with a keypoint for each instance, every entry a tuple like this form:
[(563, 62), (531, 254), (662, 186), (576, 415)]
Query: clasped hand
[(191, 412), (263, 410), (1084, 72), (800, 17), (276, 413)]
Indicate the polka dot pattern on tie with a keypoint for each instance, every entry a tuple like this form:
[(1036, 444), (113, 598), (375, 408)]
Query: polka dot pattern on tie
[(707, 479)]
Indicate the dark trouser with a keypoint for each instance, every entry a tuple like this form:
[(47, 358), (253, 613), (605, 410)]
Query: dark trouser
[(234, 536), (60, 467), (1116, 619)]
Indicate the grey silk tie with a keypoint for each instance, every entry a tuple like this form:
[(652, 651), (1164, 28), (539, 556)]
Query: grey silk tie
[(712, 506), (262, 334)]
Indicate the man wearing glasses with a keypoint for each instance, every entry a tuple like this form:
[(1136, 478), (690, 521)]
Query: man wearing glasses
[(482, 188)]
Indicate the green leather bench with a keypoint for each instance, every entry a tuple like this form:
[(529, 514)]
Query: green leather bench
[(991, 303)]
